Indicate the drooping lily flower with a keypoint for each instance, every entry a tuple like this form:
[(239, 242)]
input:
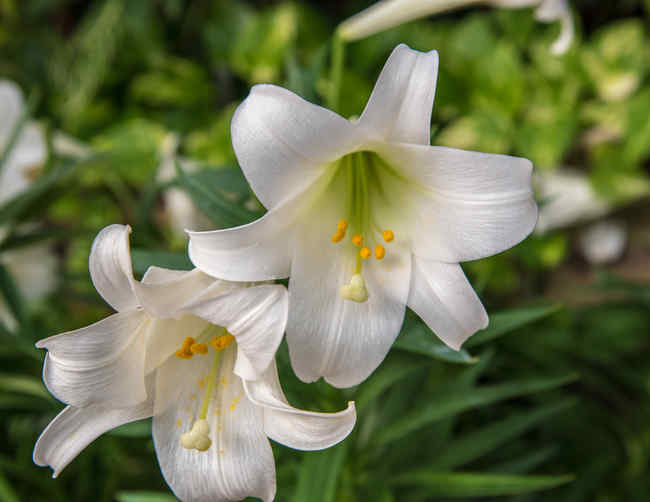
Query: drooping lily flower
[(386, 14), (32, 267), (366, 218), (197, 355)]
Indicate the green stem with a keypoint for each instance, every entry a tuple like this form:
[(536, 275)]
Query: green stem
[(336, 72)]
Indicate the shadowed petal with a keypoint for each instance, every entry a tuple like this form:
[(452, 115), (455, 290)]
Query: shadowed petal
[(303, 430), (443, 297), (75, 428)]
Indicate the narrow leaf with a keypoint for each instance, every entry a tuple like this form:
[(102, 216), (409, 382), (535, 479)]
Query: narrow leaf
[(479, 485), (319, 474), (477, 444), (144, 497), (503, 323), (447, 404)]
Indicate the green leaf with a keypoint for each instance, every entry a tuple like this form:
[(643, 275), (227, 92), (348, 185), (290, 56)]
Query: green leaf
[(503, 323), (23, 385), (9, 291), (144, 258), (7, 493), (416, 337), (395, 368), (474, 445), (223, 212), (478, 485), (319, 474), (447, 404), (144, 497), (139, 429)]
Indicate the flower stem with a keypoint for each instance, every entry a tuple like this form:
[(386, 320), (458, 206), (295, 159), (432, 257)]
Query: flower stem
[(336, 71)]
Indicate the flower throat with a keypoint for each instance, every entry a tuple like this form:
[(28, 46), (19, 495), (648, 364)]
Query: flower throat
[(362, 172)]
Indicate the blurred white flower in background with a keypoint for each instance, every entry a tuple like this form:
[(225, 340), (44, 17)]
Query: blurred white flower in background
[(389, 13), (181, 212), (566, 197), (32, 267), (603, 242)]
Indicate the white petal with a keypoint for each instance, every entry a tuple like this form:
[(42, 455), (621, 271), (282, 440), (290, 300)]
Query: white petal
[(101, 363), (299, 429), (162, 293), (11, 108), (399, 108), (328, 336), (239, 462), (469, 205), (443, 297), (557, 10), (165, 336), (256, 316), (110, 267), (283, 143), (75, 428), (258, 251)]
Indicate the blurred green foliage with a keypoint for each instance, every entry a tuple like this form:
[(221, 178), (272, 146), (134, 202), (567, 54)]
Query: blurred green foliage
[(548, 403)]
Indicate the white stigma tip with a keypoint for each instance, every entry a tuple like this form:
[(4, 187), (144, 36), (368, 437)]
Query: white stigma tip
[(356, 289), (197, 438)]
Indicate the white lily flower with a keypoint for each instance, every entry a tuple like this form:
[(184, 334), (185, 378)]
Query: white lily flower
[(197, 355), (389, 13), (417, 208), (33, 267), (180, 208), (568, 198)]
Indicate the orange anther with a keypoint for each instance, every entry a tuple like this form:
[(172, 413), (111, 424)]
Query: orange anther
[(338, 236), (388, 235), (380, 252), (365, 252), (223, 341), (342, 226), (357, 239), (199, 348)]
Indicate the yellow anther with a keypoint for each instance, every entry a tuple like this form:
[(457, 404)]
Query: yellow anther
[(388, 235), (365, 252), (223, 341), (185, 352), (380, 252), (357, 240), (338, 236), (183, 355), (342, 226), (199, 348)]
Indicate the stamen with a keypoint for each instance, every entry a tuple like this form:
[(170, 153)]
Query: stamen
[(355, 290), (338, 236), (388, 235), (380, 252), (357, 240), (365, 253), (342, 226), (222, 341), (199, 348), (185, 352)]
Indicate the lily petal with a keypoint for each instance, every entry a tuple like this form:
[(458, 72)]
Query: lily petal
[(110, 267), (75, 428), (283, 143), (400, 106), (258, 251), (329, 336), (239, 462), (102, 363), (443, 297), (299, 429), (256, 316), (470, 205)]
